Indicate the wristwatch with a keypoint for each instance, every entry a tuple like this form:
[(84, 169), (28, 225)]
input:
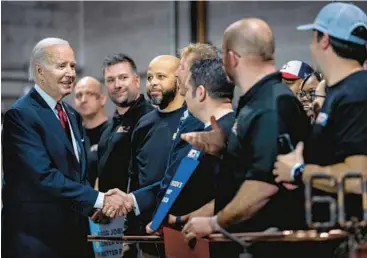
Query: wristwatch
[(297, 171)]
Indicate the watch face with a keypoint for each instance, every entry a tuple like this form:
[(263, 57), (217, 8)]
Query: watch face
[(298, 173)]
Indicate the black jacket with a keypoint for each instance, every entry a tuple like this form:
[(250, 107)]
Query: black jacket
[(114, 149)]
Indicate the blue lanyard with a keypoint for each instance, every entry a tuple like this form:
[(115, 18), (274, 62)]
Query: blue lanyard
[(178, 182)]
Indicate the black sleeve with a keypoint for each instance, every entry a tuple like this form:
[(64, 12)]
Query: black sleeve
[(263, 134), (351, 129)]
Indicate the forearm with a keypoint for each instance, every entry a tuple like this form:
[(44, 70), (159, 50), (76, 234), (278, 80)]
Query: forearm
[(205, 211), (351, 164), (249, 199)]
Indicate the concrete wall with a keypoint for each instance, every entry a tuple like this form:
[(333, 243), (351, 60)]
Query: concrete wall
[(140, 29)]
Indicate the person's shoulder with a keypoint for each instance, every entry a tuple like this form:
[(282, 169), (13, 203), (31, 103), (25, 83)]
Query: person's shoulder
[(353, 89), (147, 119), (144, 106), (23, 102), (149, 115), (227, 122), (280, 89), (22, 107), (192, 123)]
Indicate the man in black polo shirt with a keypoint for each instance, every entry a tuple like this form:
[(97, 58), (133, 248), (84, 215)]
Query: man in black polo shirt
[(150, 195), (89, 100), (123, 86), (339, 137), (248, 198)]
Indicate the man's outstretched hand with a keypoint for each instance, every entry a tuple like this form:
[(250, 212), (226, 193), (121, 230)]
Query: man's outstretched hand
[(212, 142)]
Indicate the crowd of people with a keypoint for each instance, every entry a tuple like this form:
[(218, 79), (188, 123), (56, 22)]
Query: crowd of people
[(62, 165)]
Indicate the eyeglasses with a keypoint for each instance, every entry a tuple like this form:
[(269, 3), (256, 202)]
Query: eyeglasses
[(79, 96), (311, 95)]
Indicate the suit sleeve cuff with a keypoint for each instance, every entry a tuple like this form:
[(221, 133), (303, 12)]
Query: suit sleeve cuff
[(99, 202), (136, 206)]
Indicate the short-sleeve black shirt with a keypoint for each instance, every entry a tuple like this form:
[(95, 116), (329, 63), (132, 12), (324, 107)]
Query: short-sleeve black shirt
[(91, 145), (340, 129), (267, 110)]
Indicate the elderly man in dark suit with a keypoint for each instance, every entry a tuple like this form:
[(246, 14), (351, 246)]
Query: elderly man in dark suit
[(46, 195)]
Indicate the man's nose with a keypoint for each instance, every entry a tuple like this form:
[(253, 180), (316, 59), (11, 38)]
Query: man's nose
[(154, 81), (70, 71), (118, 83), (83, 98)]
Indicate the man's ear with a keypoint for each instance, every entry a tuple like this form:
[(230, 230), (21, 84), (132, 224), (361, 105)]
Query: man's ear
[(232, 58), (201, 93), (103, 99), (325, 41), (137, 78), (39, 70)]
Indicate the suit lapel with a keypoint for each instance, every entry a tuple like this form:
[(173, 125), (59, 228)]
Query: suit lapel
[(49, 116), (53, 124)]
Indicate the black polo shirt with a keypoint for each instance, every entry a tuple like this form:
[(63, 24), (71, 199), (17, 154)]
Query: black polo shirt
[(200, 188), (114, 149), (340, 130), (91, 146), (268, 110)]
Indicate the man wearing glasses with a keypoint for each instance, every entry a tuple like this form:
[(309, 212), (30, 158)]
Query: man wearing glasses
[(339, 138), (89, 100)]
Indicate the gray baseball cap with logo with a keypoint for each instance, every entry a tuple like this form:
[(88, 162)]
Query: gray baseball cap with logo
[(339, 20)]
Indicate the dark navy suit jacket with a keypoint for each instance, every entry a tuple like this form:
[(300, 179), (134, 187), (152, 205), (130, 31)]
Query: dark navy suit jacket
[(46, 195)]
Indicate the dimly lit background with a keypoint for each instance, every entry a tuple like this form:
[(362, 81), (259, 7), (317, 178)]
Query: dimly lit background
[(142, 30)]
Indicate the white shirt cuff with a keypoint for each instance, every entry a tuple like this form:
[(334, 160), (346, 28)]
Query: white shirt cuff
[(99, 202), (136, 206)]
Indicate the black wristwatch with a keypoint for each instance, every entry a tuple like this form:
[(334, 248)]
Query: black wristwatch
[(297, 172)]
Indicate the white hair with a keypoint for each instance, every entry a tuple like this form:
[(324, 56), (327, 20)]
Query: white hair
[(39, 54)]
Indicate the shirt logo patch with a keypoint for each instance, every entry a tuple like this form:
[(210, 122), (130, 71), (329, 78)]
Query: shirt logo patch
[(123, 129), (322, 119), (194, 154), (94, 147)]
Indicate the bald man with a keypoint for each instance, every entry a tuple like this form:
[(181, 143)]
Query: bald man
[(268, 115), (152, 138), (89, 100)]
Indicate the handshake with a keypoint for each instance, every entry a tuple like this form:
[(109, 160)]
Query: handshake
[(115, 204)]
